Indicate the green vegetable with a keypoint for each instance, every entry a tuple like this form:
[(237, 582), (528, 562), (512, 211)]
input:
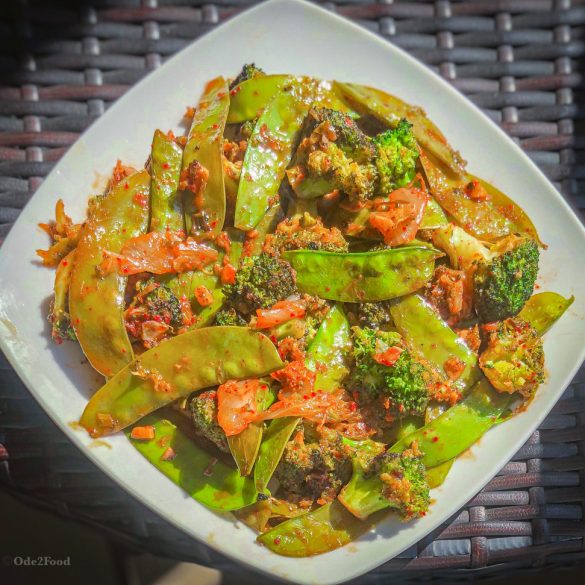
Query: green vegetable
[(396, 157), (201, 475), (513, 360), (166, 208), (261, 281), (329, 527), (544, 309), (433, 215), (205, 209), (96, 303), (203, 408), (250, 97), (249, 71), (432, 340), (503, 274), (400, 380), (266, 225), (390, 480), (198, 359), (362, 276), (268, 153), (390, 110), (437, 475)]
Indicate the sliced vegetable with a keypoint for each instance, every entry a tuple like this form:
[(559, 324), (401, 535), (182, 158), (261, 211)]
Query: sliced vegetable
[(363, 276), (197, 359), (390, 109), (201, 475), (268, 153), (329, 527), (96, 303), (202, 168)]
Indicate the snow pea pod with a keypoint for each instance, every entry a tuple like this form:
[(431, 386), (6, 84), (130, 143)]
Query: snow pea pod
[(269, 152), (363, 276), (205, 211), (437, 475), (330, 346), (542, 310), (432, 340), (178, 366), (433, 216), (166, 209), (250, 97), (390, 109), (267, 225), (60, 319), (329, 527), (201, 475), (96, 303)]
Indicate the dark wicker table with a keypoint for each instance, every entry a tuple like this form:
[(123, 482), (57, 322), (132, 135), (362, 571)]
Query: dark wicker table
[(63, 63)]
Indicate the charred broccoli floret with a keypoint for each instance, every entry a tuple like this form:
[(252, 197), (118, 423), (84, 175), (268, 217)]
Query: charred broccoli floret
[(513, 360), (373, 315), (249, 71), (390, 480), (203, 408), (313, 465), (229, 317), (261, 281), (304, 232), (383, 367), (345, 133), (396, 157), (503, 275)]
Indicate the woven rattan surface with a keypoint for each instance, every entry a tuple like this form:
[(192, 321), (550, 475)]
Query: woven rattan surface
[(62, 65)]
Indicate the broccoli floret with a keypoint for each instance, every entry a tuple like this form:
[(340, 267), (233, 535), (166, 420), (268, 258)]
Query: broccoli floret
[(248, 71), (503, 275), (390, 480), (229, 317), (502, 286), (396, 157), (513, 360), (261, 281), (383, 367), (335, 170), (162, 302), (314, 464), (346, 133), (203, 408), (304, 232), (373, 315)]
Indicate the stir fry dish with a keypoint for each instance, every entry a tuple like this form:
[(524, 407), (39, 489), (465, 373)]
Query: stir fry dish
[(305, 310)]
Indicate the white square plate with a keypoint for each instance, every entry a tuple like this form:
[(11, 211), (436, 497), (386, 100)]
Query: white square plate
[(280, 36)]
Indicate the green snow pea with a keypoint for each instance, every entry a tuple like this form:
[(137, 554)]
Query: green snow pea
[(390, 109), (269, 152), (437, 475), (266, 225), (329, 527), (433, 216), (96, 303), (201, 475), (205, 213), (432, 340), (178, 366), (330, 346), (363, 276), (250, 97), (166, 208), (542, 310), (244, 446), (60, 318)]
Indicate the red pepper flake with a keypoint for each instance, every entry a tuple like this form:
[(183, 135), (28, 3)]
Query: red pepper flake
[(235, 90), (141, 199), (126, 186), (169, 454), (64, 262), (435, 439), (277, 540), (166, 166)]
